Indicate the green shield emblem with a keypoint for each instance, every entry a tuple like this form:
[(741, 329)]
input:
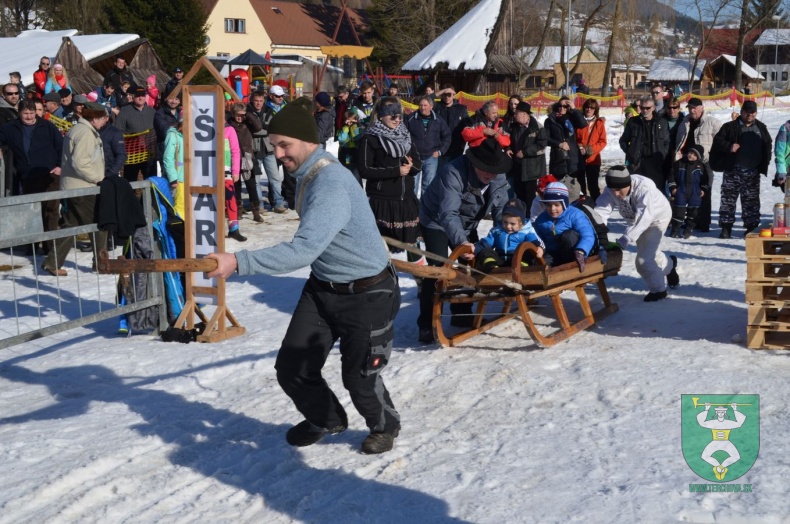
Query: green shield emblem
[(720, 434)]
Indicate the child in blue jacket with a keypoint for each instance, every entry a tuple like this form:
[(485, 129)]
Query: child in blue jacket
[(568, 233), (498, 247), (688, 183)]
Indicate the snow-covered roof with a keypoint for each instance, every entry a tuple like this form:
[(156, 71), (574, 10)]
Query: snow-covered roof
[(674, 70), (23, 52), (773, 37), (746, 69), (550, 56), (463, 44)]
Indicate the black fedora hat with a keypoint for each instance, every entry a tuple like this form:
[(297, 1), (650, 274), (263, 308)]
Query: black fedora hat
[(489, 157)]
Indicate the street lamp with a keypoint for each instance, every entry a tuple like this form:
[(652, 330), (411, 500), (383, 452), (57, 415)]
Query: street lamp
[(776, 54), (568, 55)]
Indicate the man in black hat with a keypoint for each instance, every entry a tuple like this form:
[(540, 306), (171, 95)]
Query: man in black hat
[(52, 105), (66, 102), (698, 128), (527, 148), (178, 75), (352, 294), (743, 146), (466, 190)]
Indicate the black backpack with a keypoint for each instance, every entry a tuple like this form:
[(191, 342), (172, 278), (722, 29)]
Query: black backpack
[(601, 229)]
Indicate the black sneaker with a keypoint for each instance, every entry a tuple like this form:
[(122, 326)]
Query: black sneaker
[(305, 434), (379, 442), (726, 231), (426, 336), (672, 278), (655, 297)]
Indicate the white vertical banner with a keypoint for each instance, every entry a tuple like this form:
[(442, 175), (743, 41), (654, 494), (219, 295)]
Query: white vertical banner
[(205, 147)]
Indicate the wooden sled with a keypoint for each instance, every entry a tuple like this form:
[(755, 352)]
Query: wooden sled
[(520, 286)]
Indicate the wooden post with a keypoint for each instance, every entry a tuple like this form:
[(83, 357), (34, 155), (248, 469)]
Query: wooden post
[(204, 223)]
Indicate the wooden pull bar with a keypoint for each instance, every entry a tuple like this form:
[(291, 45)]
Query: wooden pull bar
[(144, 265), (437, 272)]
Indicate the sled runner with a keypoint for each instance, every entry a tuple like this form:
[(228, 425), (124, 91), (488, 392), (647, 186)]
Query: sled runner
[(518, 287)]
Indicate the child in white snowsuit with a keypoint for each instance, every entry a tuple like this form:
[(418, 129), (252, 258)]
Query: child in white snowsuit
[(688, 183), (647, 212), (499, 246)]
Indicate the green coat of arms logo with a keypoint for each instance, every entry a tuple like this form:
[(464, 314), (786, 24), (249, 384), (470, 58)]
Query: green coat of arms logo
[(720, 434)]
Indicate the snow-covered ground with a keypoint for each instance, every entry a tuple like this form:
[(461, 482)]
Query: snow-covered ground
[(97, 428)]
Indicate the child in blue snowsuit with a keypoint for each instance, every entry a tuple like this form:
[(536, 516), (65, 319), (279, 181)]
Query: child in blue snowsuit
[(568, 233), (499, 246), (688, 183)]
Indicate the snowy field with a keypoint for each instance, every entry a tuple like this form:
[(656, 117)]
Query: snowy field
[(100, 429)]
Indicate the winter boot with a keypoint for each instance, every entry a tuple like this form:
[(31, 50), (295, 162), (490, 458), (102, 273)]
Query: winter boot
[(236, 235), (672, 277), (750, 228), (379, 442), (689, 230), (655, 296), (305, 434), (675, 232), (256, 212), (726, 231)]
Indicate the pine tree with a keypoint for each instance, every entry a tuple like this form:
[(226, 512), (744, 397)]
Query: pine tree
[(176, 28)]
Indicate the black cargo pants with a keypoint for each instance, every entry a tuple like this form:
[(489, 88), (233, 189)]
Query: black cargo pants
[(363, 322)]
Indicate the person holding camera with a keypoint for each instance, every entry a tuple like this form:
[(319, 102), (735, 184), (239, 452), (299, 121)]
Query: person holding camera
[(591, 140)]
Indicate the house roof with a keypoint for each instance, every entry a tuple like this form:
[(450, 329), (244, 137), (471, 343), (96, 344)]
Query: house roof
[(746, 69), (724, 40), (207, 5), (550, 56), (23, 52), (295, 24), (463, 45), (773, 37), (674, 70)]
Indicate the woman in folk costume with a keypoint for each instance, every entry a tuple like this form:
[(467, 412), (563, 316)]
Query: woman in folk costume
[(388, 160)]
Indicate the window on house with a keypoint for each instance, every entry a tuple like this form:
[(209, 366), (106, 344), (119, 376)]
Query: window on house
[(784, 76), (223, 54), (773, 76), (234, 25)]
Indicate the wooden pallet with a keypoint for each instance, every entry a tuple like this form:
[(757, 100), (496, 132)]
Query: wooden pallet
[(518, 287), (768, 292)]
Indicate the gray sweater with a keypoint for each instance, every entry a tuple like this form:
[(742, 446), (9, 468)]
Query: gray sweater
[(337, 235)]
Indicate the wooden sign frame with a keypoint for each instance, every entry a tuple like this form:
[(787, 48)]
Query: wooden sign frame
[(204, 202)]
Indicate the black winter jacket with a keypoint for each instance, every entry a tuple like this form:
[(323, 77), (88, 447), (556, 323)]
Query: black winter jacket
[(729, 134), (46, 147), (561, 163), (531, 141), (632, 141), (114, 150), (383, 171), (454, 117), (436, 137)]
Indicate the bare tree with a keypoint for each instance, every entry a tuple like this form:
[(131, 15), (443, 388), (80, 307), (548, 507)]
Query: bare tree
[(750, 19), (607, 77), (592, 17), (17, 16), (708, 12)]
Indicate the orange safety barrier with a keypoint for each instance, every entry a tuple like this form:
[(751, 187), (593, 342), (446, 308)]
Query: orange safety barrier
[(139, 146)]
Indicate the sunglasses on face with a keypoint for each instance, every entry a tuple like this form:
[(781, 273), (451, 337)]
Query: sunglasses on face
[(646, 108), (563, 106), (674, 107), (15, 93), (395, 117), (44, 64)]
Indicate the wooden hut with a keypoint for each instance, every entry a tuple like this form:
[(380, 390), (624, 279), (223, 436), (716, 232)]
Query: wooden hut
[(476, 53)]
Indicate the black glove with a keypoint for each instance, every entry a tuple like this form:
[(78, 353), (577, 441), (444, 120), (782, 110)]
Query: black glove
[(580, 260)]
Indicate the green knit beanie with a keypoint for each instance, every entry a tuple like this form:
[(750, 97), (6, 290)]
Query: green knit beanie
[(296, 120)]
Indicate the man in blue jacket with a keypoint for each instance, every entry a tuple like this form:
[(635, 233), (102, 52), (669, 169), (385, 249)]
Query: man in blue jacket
[(431, 137), (352, 293), (462, 194)]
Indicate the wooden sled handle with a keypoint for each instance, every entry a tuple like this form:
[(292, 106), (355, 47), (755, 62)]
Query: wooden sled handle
[(144, 265), (435, 272)]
